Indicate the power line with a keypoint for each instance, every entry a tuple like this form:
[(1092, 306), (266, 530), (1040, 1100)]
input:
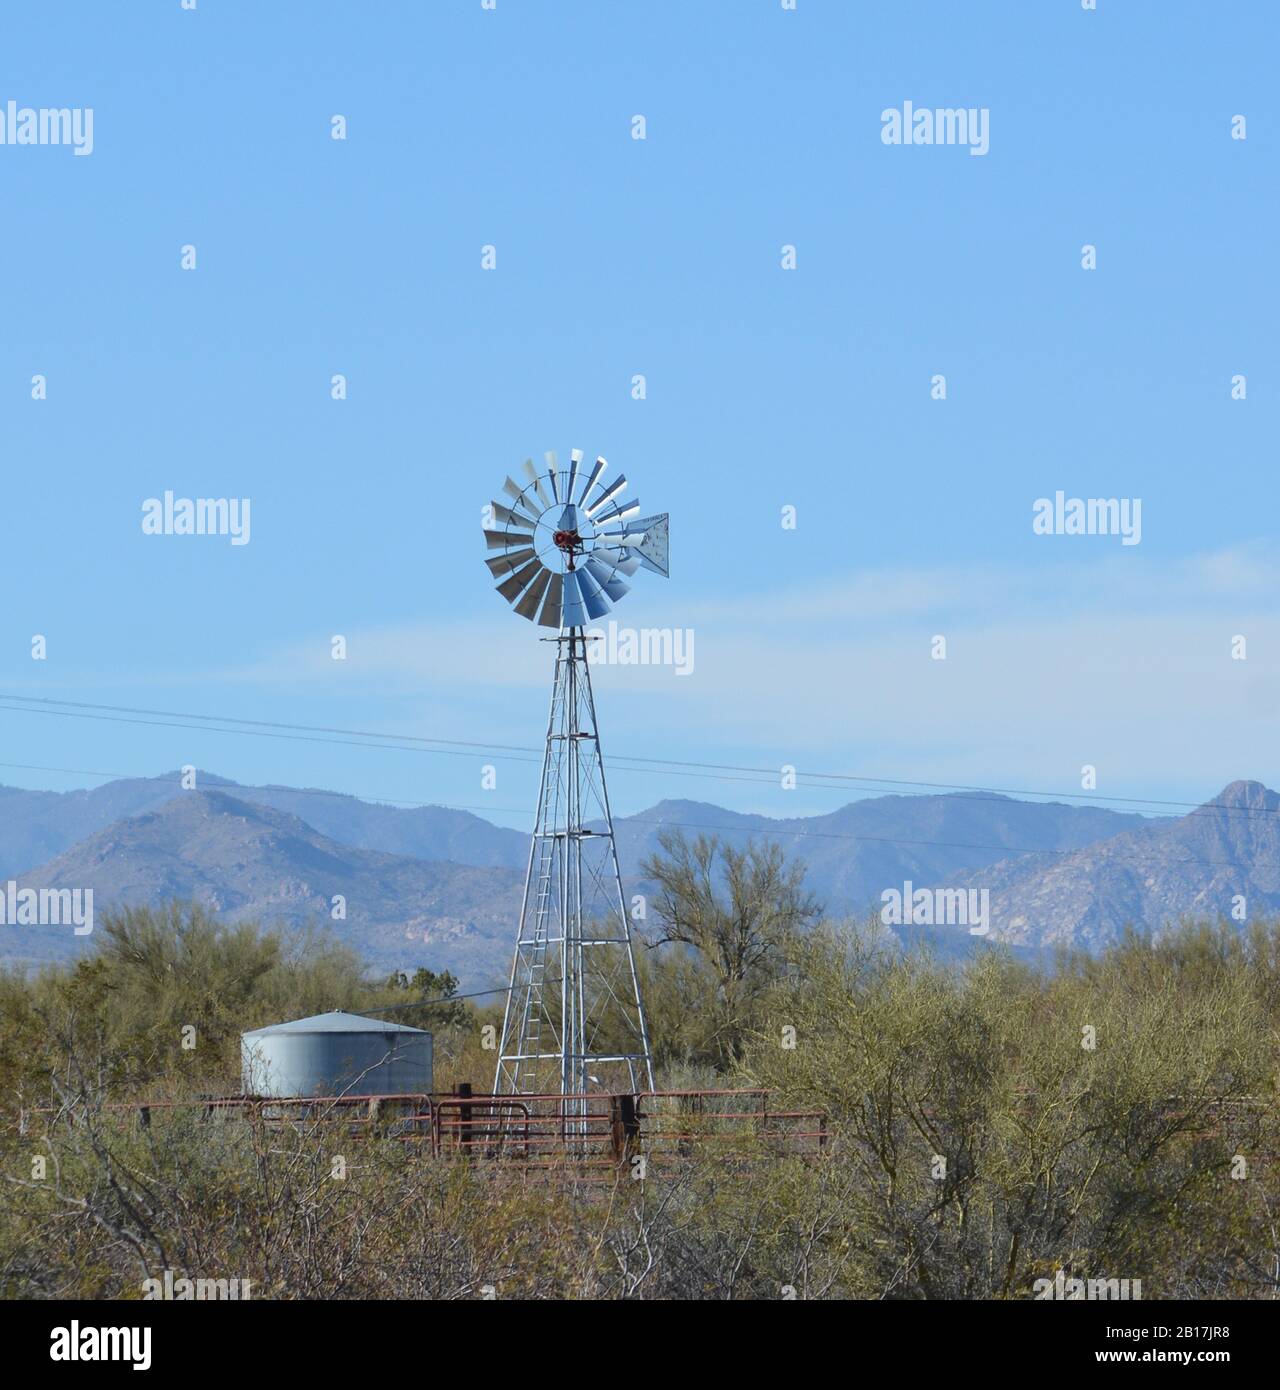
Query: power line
[(263, 723), (250, 733), (357, 738), (426, 1003), (770, 780)]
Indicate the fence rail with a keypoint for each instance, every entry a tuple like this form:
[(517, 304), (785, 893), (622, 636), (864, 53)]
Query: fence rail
[(597, 1129)]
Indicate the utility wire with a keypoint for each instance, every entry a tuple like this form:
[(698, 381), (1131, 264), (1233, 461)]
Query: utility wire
[(666, 766), (424, 1003), (770, 780)]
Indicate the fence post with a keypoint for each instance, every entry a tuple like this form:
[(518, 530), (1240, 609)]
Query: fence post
[(464, 1117), (624, 1125)]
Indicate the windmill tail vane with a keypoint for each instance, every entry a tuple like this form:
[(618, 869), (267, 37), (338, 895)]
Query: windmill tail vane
[(567, 541)]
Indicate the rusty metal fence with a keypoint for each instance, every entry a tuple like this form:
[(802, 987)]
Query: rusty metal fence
[(597, 1130)]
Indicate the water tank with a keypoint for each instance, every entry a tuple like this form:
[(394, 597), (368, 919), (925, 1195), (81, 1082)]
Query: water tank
[(336, 1054)]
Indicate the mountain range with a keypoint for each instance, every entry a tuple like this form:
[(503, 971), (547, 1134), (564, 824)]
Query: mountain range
[(1221, 860), (440, 887), (36, 825)]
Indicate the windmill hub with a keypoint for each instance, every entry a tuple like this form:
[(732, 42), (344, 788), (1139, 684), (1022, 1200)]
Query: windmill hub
[(568, 540)]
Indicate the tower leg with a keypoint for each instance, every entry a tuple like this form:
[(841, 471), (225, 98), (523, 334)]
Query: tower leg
[(574, 1023)]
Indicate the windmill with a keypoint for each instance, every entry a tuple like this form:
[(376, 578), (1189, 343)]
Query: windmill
[(574, 1022)]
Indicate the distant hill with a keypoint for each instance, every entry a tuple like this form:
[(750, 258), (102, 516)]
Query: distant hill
[(247, 861), (1195, 865), (35, 826), (853, 853), (441, 888), (856, 852)]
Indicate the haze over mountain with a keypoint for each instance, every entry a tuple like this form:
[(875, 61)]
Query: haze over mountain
[(438, 887), (852, 852), (1219, 859), (242, 861), (857, 851), (37, 825)]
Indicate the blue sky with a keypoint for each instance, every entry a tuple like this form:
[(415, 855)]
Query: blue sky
[(765, 388)]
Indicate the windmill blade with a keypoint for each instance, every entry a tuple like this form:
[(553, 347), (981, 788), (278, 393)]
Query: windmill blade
[(528, 605), (600, 466), (504, 564), (550, 615), (618, 512), (513, 488), (575, 458), (592, 595), (620, 560), (550, 456), (607, 496), (520, 580), (532, 474), (504, 540), (607, 579), (643, 524), (633, 534), (508, 517), (574, 610)]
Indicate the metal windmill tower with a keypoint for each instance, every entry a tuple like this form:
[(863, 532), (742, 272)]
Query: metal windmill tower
[(574, 1022)]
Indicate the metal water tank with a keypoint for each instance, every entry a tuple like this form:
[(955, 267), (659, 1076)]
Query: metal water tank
[(336, 1054)]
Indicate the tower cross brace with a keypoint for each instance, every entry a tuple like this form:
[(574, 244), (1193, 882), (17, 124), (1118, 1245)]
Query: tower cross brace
[(574, 1022)]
